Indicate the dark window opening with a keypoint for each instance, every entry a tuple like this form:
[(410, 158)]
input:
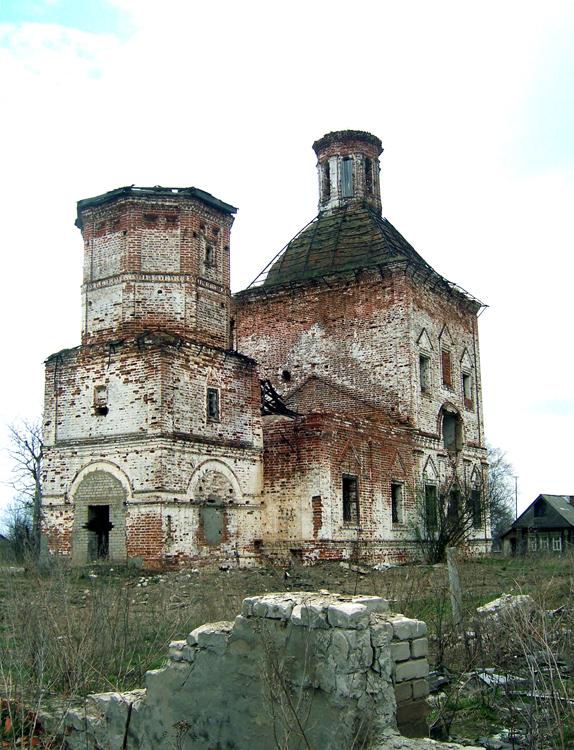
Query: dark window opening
[(101, 411), (424, 373), (451, 431), (396, 502), (150, 218), (326, 173), (446, 368), (431, 510), (369, 176), (540, 509), (286, 376), (453, 506), (99, 528), (212, 404), (467, 389), (347, 178), (209, 256), (476, 508), (350, 499)]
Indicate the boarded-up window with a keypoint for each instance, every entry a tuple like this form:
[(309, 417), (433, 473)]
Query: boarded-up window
[(467, 389), (446, 368), (350, 499), (347, 178)]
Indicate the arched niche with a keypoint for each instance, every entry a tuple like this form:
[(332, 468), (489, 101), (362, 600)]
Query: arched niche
[(99, 495)]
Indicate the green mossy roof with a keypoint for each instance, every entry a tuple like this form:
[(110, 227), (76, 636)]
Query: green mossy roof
[(345, 239)]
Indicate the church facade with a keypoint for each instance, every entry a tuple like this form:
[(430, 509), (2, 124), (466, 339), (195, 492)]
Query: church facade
[(311, 415)]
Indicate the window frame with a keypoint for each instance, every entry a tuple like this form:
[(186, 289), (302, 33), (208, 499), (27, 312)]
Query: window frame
[(446, 367), (424, 372), (347, 177), (348, 503), (468, 398), (431, 513), (212, 417), (397, 508)]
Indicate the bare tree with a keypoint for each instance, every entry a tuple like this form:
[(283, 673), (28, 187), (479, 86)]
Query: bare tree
[(447, 515), (500, 492), (26, 451)]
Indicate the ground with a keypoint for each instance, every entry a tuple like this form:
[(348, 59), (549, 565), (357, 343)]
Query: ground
[(66, 632)]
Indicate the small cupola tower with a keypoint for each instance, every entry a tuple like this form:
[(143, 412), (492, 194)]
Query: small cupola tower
[(348, 167)]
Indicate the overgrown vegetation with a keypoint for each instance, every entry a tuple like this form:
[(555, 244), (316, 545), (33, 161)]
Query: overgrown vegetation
[(66, 632)]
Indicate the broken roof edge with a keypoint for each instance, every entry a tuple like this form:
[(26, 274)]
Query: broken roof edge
[(261, 283), (257, 289), (156, 191), (138, 339)]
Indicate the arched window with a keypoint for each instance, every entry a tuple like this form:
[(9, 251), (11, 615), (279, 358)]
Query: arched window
[(451, 430)]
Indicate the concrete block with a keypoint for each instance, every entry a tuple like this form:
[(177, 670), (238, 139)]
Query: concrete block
[(348, 615), (404, 691), (403, 627), (400, 651), (419, 648), (213, 636), (310, 615), (375, 604), (411, 670), (420, 688), (275, 607)]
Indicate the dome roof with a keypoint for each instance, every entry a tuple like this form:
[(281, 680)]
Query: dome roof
[(346, 239)]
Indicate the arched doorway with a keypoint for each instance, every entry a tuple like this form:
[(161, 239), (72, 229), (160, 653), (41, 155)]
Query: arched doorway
[(99, 532)]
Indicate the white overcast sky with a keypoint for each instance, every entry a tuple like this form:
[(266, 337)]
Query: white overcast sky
[(474, 103)]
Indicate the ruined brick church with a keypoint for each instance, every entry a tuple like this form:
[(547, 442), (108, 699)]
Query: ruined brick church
[(304, 416)]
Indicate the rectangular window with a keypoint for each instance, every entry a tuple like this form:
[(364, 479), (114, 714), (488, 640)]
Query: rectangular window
[(347, 178), (396, 502), (532, 543), (212, 405), (544, 544), (476, 508), (446, 368), (467, 389), (350, 499), (556, 544), (431, 510), (453, 506), (424, 373)]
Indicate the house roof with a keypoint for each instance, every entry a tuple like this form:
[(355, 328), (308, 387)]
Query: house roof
[(562, 514), (346, 239)]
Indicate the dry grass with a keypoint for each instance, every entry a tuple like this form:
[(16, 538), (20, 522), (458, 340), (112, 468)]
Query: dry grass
[(67, 632)]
